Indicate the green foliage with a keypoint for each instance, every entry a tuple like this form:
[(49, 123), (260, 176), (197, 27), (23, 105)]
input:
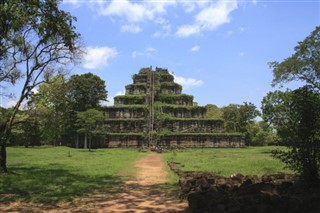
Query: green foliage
[(36, 39), (261, 134), (139, 85), (4, 116), (130, 97), (197, 134), (226, 161), (237, 117), (86, 91), (165, 132), (275, 108), (296, 117), (58, 101), (174, 98), (26, 130), (170, 84), (128, 120), (160, 116), (125, 106), (89, 120), (214, 112), (174, 106), (303, 65), (142, 135), (166, 77), (51, 105), (52, 174), (90, 123), (27, 27)]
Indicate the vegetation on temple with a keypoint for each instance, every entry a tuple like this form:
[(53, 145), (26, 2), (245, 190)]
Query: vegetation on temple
[(169, 118)]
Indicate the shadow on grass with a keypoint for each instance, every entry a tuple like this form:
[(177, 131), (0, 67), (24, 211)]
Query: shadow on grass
[(52, 184), (134, 197), (109, 194)]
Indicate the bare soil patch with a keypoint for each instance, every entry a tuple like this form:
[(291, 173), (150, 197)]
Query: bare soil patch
[(144, 193)]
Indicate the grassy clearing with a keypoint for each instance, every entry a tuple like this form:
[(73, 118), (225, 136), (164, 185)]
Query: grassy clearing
[(61, 173), (226, 161)]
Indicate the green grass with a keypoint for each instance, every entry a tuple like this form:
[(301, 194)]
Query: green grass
[(61, 173), (227, 161)]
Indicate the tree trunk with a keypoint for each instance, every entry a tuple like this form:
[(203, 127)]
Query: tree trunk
[(77, 141), (3, 158), (85, 141)]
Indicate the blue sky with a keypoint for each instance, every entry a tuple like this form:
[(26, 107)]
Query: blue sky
[(218, 50)]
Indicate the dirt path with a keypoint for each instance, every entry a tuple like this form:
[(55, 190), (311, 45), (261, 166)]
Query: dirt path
[(145, 193)]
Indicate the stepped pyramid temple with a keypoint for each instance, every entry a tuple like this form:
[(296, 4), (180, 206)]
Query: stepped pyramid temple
[(154, 112)]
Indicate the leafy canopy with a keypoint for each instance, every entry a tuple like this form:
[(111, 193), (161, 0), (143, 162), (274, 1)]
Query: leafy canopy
[(86, 91), (36, 38), (303, 65), (296, 117)]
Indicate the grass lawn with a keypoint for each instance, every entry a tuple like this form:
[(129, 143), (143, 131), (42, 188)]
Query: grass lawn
[(62, 173), (227, 161)]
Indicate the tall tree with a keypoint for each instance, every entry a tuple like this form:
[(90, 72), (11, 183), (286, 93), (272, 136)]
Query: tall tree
[(261, 134), (37, 38), (25, 131), (303, 65), (296, 117), (237, 117), (231, 117), (52, 106), (295, 114), (89, 123), (84, 92)]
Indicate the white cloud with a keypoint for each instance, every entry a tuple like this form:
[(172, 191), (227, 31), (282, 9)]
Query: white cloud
[(136, 54), (209, 18), (188, 30), (35, 90), (98, 57), (195, 48), (131, 28), (12, 102), (8, 104), (160, 20), (132, 11), (158, 7), (136, 11), (147, 52), (188, 6), (209, 14), (187, 82), (164, 32)]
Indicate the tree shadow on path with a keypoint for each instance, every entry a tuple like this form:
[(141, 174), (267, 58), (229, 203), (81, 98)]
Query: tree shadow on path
[(58, 190)]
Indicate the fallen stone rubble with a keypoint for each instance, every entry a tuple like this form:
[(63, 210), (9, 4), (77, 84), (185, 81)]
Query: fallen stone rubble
[(277, 193)]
